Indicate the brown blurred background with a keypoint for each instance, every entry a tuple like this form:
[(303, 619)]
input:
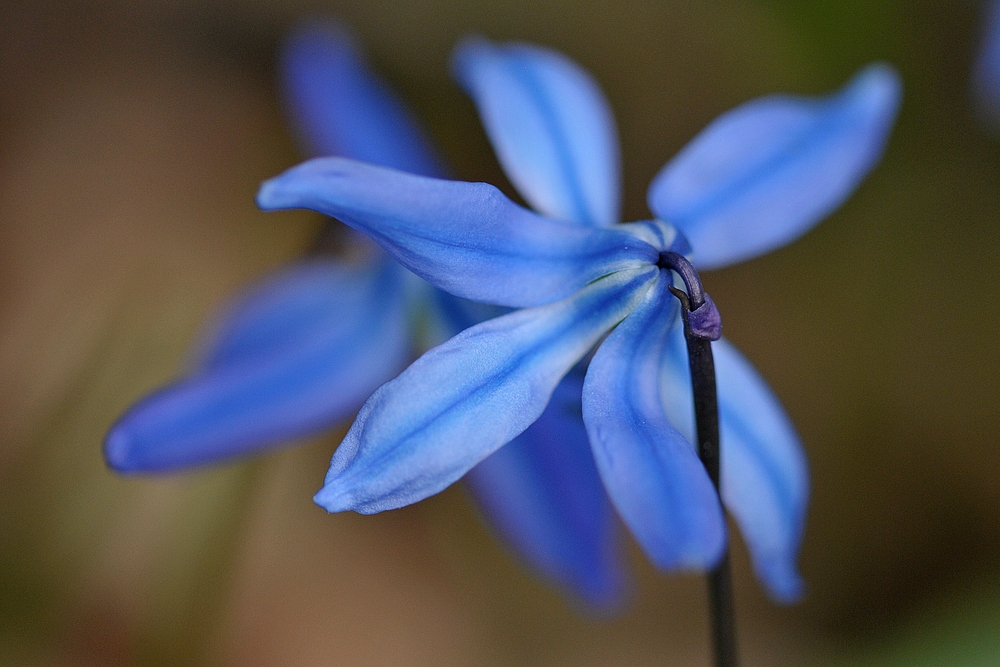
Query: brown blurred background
[(132, 140)]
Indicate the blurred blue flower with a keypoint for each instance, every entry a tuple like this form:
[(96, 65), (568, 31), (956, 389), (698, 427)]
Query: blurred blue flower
[(755, 179), (302, 350), (986, 67)]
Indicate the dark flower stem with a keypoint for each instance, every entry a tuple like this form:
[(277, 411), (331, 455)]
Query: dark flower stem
[(706, 413), (702, 325)]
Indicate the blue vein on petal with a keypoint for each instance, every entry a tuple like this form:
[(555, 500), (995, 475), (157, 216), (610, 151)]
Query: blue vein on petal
[(514, 361), (535, 88), (825, 126), (308, 186), (123, 446), (495, 380)]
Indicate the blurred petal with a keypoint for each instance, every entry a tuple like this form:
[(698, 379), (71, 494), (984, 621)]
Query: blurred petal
[(341, 107), (550, 125), (461, 401), (764, 173), (450, 314), (765, 479), (267, 379), (466, 238), (986, 70), (288, 305), (542, 492), (653, 475)]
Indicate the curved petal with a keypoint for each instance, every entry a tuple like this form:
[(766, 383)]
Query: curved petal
[(269, 379), (466, 238), (765, 479), (764, 173), (341, 107), (550, 125), (461, 401), (542, 493), (653, 475)]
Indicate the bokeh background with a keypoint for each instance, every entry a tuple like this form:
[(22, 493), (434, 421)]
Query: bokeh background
[(132, 139)]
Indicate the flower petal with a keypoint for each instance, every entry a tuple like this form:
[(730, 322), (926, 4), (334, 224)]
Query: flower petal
[(291, 304), (462, 400), (653, 475), (765, 479), (542, 493), (550, 125), (466, 238), (269, 379), (341, 107), (763, 174)]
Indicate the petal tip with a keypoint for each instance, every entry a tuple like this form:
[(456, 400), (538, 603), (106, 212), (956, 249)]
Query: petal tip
[(333, 498), (785, 585), (700, 553), (269, 196), (465, 52), (605, 596), (881, 74), (780, 577), (119, 450), (881, 85), (298, 186)]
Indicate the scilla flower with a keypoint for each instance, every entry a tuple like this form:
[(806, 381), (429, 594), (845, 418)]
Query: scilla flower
[(755, 179), (304, 349)]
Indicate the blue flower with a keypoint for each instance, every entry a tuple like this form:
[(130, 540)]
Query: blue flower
[(755, 179), (302, 350)]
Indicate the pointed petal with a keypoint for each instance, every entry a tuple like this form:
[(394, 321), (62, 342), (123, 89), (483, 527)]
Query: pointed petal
[(765, 480), (653, 475), (763, 174), (466, 238), (464, 399), (340, 106), (550, 125), (542, 493), (268, 379)]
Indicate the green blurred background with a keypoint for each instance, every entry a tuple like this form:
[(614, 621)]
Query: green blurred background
[(132, 139)]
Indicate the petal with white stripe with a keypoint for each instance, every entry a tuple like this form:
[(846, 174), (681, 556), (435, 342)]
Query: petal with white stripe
[(462, 400), (465, 238), (652, 473)]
